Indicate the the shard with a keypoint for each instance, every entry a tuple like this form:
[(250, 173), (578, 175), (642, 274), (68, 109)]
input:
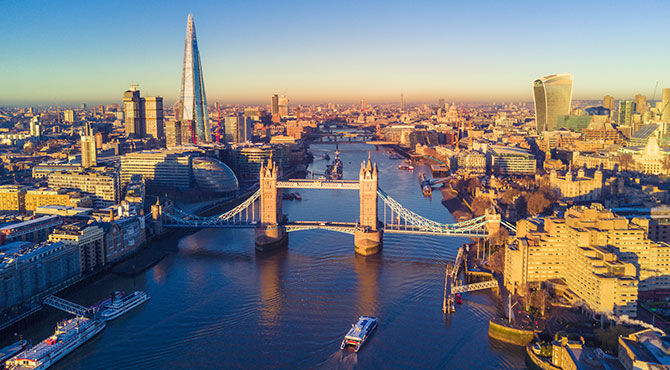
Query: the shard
[(193, 104)]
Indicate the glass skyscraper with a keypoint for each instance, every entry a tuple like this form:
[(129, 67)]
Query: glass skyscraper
[(193, 103), (552, 95)]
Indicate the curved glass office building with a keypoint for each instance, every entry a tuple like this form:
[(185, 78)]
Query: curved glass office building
[(552, 95), (213, 176)]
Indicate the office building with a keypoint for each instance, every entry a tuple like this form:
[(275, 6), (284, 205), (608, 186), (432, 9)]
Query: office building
[(274, 105), (68, 116), (193, 102), (132, 109), (552, 95), (213, 176), (30, 272), (12, 199), (153, 117), (246, 159), (62, 197), (35, 127), (172, 133), (160, 169), (237, 129), (608, 102), (89, 153), (506, 160), (283, 106), (103, 187), (640, 104), (143, 115), (88, 238), (626, 111), (665, 105), (645, 349)]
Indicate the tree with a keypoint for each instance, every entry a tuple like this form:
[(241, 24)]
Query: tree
[(509, 196), (537, 203), (625, 161), (496, 261), (665, 164), (472, 185), (480, 205)]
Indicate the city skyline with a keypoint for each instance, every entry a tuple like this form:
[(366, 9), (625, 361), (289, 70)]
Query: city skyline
[(83, 54)]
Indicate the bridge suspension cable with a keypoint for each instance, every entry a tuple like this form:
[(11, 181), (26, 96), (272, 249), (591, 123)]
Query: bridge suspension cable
[(236, 216)]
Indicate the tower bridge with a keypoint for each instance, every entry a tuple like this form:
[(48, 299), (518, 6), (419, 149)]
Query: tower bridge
[(262, 211)]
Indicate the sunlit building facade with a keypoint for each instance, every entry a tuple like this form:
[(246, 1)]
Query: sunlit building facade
[(552, 95), (193, 103)]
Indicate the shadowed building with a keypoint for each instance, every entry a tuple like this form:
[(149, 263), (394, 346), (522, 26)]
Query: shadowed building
[(193, 103), (552, 95)]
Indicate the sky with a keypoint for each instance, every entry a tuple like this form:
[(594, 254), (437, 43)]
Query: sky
[(68, 52)]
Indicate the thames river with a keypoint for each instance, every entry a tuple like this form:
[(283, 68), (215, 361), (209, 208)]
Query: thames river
[(217, 303)]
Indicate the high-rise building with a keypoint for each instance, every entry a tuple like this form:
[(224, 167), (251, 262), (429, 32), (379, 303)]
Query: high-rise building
[(274, 106), (552, 95), (193, 103), (626, 109), (665, 106), (364, 104), (283, 106), (237, 129), (402, 102), (640, 104), (143, 116), (172, 133), (68, 115), (608, 102), (132, 108), (35, 127), (89, 157), (104, 187), (153, 115)]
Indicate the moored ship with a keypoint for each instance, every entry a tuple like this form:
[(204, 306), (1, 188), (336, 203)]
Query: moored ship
[(11, 350), (120, 306), (334, 170), (69, 335)]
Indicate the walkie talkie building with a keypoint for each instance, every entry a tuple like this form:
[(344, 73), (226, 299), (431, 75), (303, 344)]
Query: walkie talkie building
[(193, 103), (553, 96)]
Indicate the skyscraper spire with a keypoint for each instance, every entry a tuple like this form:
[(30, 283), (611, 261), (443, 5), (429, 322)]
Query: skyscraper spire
[(193, 103)]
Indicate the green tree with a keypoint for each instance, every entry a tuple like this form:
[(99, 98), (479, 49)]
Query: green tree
[(480, 205), (665, 164)]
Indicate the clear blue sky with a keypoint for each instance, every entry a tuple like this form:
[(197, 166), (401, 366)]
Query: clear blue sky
[(319, 50)]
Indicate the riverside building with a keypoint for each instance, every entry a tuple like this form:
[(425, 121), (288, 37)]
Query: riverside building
[(161, 169), (29, 272), (104, 187), (604, 259)]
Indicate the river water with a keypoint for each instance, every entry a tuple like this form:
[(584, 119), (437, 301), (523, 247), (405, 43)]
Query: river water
[(219, 304)]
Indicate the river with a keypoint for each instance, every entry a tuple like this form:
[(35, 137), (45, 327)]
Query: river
[(219, 304)]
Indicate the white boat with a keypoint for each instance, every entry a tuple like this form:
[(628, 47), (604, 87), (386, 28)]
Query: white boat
[(69, 335), (120, 306), (359, 332)]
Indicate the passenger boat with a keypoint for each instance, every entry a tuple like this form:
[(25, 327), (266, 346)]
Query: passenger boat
[(69, 335), (11, 350), (359, 332), (100, 305), (297, 196), (406, 167), (120, 306)]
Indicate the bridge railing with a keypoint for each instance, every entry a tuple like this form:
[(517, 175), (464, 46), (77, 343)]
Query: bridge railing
[(244, 213)]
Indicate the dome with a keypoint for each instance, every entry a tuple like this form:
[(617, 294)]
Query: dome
[(212, 175)]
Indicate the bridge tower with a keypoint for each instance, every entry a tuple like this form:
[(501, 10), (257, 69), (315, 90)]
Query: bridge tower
[(269, 233), (493, 224), (368, 235)]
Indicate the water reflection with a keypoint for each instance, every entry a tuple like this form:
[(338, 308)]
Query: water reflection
[(367, 270), (270, 267)]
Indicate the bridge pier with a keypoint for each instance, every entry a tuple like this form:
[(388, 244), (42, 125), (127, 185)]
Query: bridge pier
[(270, 234), (368, 237), (368, 242)]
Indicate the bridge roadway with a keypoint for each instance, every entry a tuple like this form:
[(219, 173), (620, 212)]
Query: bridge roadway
[(318, 184)]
